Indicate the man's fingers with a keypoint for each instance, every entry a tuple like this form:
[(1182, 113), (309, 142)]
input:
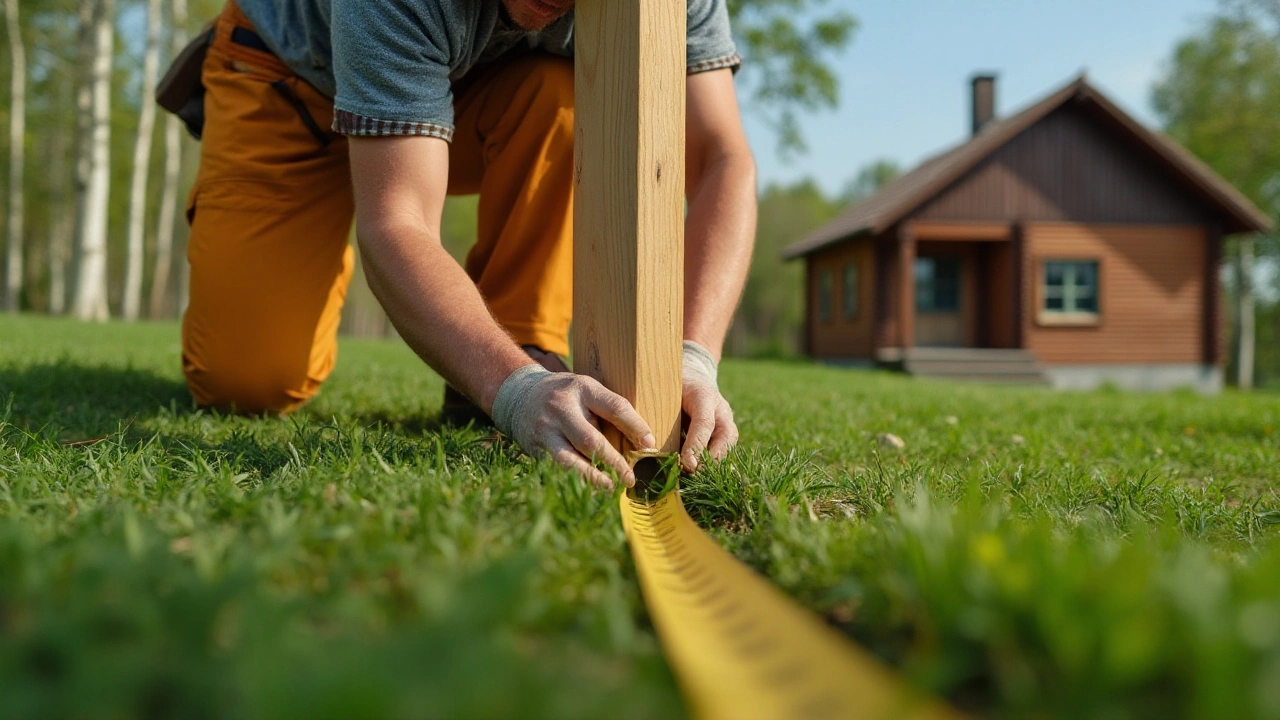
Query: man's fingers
[(617, 411), (725, 435), (588, 441), (702, 422), (569, 458)]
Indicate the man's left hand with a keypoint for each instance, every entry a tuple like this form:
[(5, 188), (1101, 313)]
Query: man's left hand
[(711, 425)]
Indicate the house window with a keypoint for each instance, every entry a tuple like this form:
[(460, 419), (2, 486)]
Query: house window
[(824, 295), (937, 285), (1070, 290), (849, 292)]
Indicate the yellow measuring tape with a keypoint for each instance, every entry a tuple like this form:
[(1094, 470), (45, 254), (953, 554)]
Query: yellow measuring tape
[(740, 648)]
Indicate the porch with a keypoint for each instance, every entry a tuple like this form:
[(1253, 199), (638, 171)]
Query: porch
[(950, 302)]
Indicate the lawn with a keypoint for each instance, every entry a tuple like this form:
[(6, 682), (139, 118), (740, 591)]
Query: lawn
[(1028, 553)]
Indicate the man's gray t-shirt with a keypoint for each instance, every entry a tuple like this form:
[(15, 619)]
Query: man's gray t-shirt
[(390, 64)]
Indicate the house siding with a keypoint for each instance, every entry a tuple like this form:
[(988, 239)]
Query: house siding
[(840, 337), (1069, 168), (1151, 293)]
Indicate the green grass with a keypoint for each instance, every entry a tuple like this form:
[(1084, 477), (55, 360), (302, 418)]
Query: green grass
[(1029, 554)]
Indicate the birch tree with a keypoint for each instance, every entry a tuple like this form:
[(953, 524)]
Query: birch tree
[(172, 175), (83, 78), (17, 160), (132, 303), (63, 226), (91, 284)]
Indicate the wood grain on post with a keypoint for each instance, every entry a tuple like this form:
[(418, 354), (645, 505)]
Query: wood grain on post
[(629, 85)]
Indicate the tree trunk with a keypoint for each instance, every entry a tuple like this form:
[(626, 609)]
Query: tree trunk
[(132, 303), (91, 287), (17, 160), (83, 75), (172, 176), (62, 228), (1245, 313)]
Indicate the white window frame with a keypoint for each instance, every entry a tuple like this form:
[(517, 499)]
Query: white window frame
[(1070, 314)]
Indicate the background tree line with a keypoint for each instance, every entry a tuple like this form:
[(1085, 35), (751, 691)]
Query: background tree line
[(95, 181)]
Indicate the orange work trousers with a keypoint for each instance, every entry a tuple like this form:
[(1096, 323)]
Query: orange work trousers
[(272, 208)]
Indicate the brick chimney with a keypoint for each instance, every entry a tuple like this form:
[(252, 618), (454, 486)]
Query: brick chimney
[(984, 100)]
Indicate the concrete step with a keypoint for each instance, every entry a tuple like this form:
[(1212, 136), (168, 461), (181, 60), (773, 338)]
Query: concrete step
[(980, 367), (960, 353), (987, 365), (1005, 379)]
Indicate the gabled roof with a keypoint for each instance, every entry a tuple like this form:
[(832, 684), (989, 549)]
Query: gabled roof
[(901, 197)]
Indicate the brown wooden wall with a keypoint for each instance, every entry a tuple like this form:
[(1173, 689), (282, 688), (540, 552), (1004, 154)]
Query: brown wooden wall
[(1151, 293), (838, 337), (1068, 168)]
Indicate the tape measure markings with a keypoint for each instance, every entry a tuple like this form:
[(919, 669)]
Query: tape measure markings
[(739, 647)]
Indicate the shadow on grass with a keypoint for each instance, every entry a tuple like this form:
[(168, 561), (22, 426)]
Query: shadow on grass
[(73, 398), (78, 403)]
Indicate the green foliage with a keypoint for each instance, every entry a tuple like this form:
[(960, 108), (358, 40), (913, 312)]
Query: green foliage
[(771, 312), (870, 179), (1219, 99), (1030, 554), (786, 47), (770, 317), (458, 225)]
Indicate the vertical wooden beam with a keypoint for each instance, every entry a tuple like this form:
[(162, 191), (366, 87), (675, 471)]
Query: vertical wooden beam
[(982, 313), (906, 289), (1020, 281), (629, 82), (885, 325)]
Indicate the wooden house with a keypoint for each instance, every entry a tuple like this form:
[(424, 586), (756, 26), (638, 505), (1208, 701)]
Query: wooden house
[(1066, 243)]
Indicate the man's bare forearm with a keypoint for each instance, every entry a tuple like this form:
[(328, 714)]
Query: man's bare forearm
[(719, 236), (438, 311)]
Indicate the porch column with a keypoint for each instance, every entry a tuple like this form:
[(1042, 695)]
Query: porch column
[(906, 288), (1020, 282), (886, 327)]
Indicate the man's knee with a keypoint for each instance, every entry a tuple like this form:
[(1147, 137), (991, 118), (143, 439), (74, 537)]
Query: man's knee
[(250, 385)]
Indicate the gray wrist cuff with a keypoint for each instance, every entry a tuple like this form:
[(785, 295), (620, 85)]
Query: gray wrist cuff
[(700, 362), (513, 394)]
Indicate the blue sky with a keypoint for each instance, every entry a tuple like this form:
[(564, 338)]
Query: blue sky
[(904, 82)]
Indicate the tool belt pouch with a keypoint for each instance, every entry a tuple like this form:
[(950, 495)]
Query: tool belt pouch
[(181, 90)]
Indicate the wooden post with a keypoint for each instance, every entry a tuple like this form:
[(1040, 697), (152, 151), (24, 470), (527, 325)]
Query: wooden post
[(886, 325), (1020, 284), (628, 220), (907, 290)]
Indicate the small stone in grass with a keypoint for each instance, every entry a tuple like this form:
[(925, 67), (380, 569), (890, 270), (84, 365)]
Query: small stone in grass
[(842, 613), (889, 440), (1019, 440)]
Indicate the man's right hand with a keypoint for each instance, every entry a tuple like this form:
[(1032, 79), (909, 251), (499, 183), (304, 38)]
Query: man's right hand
[(400, 185), (558, 414)]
